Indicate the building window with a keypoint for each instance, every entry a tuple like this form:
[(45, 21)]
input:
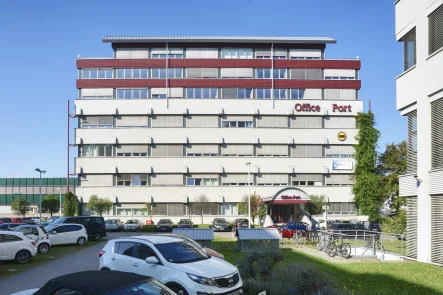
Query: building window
[(161, 53), (436, 134), (279, 73), (202, 150), (201, 73), (131, 53), (263, 73), (237, 150), (237, 179), (132, 151), (339, 74), (97, 73), (409, 49), (201, 92), (272, 150), (201, 52), (339, 151), (280, 93), (236, 53), (237, 124), (132, 180), (306, 151), (341, 208), (435, 20), (99, 150), (97, 122), (132, 73), (339, 180), (229, 209), (158, 73), (306, 74), (307, 179), (297, 93), (263, 93), (411, 154), (141, 93), (175, 73), (305, 53), (237, 73), (280, 54), (190, 181), (272, 179), (166, 150), (243, 93)]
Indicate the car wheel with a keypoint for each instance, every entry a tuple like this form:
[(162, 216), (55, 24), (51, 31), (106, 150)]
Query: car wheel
[(178, 289), (81, 241), (97, 236), (22, 257), (43, 248)]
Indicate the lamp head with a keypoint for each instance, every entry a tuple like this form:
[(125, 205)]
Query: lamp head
[(39, 170)]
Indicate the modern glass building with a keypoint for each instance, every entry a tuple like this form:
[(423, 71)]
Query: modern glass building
[(419, 26), (164, 120), (29, 189)]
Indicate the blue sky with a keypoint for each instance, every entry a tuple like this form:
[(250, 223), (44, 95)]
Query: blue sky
[(41, 40)]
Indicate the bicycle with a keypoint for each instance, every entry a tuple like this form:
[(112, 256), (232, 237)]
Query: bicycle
[(342, 248), (298, 237)]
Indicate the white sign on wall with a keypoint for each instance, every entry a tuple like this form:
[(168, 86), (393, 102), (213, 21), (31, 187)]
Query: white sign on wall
[(342, 165)]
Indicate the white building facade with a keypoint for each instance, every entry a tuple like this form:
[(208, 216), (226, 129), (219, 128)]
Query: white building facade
[(168, 119), (419, 25)]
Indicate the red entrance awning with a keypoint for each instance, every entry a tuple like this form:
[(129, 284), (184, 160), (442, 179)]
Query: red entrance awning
[(278, 202)]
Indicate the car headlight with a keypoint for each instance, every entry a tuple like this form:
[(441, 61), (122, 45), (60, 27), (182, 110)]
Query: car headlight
[(202, 280)]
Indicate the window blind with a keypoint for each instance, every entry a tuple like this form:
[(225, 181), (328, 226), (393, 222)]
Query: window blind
[(312, 94), (305, 53), (132, 53), (167, 150), (108, 92), (90, 180), (411, 153), (201, 121), (306, 74), (280, 179), (236, 178), (272, 150), (307, 177), (201, 52), (237, 150), (435, 30), (272, 121), (167, 121), (202, 149), (306, 122), (166, 179), (131, 121), (201, 73), (436, 134), (411, 227), (340, 122)]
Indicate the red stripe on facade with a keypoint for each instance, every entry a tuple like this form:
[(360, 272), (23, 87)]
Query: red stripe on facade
[(280, 202), (218, 63), (265, 83)]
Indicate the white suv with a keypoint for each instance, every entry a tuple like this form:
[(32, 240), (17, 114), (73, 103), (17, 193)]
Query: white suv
[(67, 233), (175, 262), (38, 234), (16, 246)]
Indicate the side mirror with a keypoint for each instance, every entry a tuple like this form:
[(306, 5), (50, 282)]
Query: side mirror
[(151, 260)]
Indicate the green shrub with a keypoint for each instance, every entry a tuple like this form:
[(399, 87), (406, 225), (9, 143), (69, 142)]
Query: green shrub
[(148, 229), (200, 226), (174, 226), (258, 265)]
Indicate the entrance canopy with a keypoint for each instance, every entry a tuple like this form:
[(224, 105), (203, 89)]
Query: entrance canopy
[(288, 196)]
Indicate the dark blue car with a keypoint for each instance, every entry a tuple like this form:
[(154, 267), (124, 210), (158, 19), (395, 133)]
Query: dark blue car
[(296, 225)]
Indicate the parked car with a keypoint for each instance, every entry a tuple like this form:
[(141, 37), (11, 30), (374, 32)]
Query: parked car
[(36, 220), (52, 219), (164, 225), (5, 220), (178, 264), (352, 230), (114, 225), (38, 234), (208, 251), (371, 226), (16, 246), (10, 226), (95, 225), (17, 220), (185, 223), (70, 233), (91, 282), (240, 223), (220, 224), (289, 229), (132, 224), (28, 220)]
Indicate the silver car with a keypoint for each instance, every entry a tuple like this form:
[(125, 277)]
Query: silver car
[(114, 225), (132, 225)]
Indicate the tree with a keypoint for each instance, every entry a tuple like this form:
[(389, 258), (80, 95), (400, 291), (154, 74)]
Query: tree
[(147, 211), (51, 204), (20, 206), (315, 205), (395, 224), (258, 207), (367, 188), (70, 205), (392, 163), (201, 204), (99, 205)]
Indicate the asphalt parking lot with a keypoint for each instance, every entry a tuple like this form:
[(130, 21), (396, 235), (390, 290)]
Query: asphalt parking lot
[(86, 259)]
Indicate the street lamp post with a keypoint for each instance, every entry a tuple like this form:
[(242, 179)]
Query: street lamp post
[(249, 194), (40, 207), (60, 191)]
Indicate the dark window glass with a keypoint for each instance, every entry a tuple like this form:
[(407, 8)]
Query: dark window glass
[(125, 248), (9, 238), (99, 220), (61, 229), (182, 252), (73, 227), (144, 252), (67, 291), (71, 220)]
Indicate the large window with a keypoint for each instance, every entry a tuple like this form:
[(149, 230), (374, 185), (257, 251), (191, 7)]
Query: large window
[(97, 122), (132, 180), (202, 150), (97, 74), (129, 53), (201, 92), (279, 73), (409, 49), (201, 52), (172, 53), (272, 179), (167, 179), (339, 180), (306, 151), (140, 93), (167, 150), (202, 180), (340, 122), (237, 179), (263, 73), (272, 150), (306, 122), (263, 93), (280, 93), (201, 73), (436, 30), (339, 151), (436, 134), (131, 121), (97, 150), (243, 93), (236, 53), (307, 179), (237, 121), (272, 121), (97, 93), (237, 72), (342, 208), (229, 209), (305, 53), (339, 74), (160, 73), (306, 74), (162, 121), (237, 150), (412, 142), (132, 73), (297, 93), (210, 209), (132, 151)]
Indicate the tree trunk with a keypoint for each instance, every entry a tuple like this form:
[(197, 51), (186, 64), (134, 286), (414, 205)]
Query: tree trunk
[(202, 216)]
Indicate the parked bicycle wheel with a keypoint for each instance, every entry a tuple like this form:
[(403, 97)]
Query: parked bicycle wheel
[(345, 250), (331, 249)]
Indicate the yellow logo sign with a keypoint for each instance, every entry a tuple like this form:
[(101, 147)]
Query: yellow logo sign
[(342, 136)]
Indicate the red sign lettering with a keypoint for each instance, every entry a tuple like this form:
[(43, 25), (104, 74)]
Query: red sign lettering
[(341, 109), (290, 197), (306, 107)]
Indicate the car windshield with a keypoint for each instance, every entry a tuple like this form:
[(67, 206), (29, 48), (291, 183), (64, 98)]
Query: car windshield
[(181, 252), (111, 221), (51, 227), (57, 220), (163, 221), (220, 220), (187, 221), (148, 287), (131, 222)]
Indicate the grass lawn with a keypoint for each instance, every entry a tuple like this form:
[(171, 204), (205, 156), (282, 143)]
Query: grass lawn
[(8, 268), (372, 277)]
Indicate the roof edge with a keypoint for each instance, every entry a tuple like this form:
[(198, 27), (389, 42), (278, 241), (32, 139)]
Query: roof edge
[(224, 39)]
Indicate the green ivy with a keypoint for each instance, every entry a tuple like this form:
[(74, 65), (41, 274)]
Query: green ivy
[(368, 194)]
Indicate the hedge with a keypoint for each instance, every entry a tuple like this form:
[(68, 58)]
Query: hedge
[(201, 226), (148, 228)]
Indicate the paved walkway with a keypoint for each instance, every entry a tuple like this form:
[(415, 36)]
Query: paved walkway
[(86, 259)]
